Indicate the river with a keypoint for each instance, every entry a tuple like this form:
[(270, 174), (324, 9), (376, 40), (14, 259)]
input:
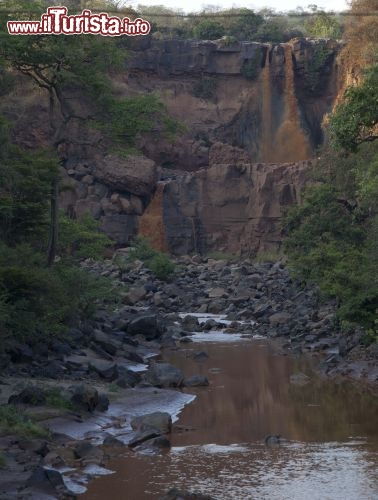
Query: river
[(328, 449)]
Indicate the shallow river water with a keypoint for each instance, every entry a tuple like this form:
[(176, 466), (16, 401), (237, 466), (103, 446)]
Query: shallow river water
[(329, 449)]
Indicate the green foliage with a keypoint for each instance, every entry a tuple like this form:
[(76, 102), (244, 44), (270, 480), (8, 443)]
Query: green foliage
[(42, 301), (205, 88), (81, 238), (158, 262), (242, 23), (141, 250), (208, 29), (227, 41), (333, 235), (315, 66), (15, 421), (323, 25), (161, 266), (56, 399), (356, 118), (25, 185), (332, 241), (131, 117)]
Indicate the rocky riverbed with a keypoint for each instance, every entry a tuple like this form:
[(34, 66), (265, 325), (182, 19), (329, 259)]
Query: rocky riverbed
[(104, 385)]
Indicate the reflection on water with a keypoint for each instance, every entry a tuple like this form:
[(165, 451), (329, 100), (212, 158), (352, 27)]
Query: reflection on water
[(330, 449)]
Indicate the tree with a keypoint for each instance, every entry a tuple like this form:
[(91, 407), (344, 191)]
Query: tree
[(355, 119), (56, 63), (208, 29), (323, 25)]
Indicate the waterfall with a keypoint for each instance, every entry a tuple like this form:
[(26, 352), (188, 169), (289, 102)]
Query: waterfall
[(282, 136), (291, 143), (266, 110), (151, 223)]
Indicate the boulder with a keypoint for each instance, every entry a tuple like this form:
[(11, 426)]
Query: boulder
[(85, 397), (146, 325), (200, 356), (87, 451), (280, 318), (134, 174), (106, 369), (164, 375), (33, 395), (143, 436), (106, 342), (156, 444), (113, 441), (128, 378), (103, 403), (134, 295), (158, 420), (196, 381), (46, 479)]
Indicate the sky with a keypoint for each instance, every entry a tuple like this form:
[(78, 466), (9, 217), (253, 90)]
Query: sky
[(278, 5)]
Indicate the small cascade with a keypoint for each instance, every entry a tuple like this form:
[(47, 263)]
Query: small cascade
[(194, 233), (290, 142), (151, 223), (266, 109)]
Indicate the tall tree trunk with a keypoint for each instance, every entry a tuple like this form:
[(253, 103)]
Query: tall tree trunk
[(54, 212)]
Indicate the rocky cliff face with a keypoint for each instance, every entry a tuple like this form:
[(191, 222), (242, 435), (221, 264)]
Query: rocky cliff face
[(251, 114), (235, 208), (268, 100)]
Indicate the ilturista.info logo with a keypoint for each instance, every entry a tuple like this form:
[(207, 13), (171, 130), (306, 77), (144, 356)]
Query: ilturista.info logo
[(57, 22)]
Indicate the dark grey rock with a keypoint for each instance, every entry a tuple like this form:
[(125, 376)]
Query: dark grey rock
[(272, 440), (158, 420), (196, 381), (103, 402), (146, 325), (85, 397), (46, 478), (128, 378), (164, 375), (106, 369), (113, 441), (143, 436), (87, 451), (32, 395)]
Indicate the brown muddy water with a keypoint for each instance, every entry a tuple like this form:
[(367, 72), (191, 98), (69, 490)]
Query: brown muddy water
[(330, 450)]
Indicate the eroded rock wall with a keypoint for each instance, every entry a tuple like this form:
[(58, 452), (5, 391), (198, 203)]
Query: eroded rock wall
[(234, 208), (269, 100), (251, 114)]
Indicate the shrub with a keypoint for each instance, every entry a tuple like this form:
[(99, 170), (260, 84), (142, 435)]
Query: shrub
[(158, 262), (161, 266), (39, 302), (15, 421), (81, 238)]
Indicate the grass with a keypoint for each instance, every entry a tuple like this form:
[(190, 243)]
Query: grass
[(15, 421), (55, 399)]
